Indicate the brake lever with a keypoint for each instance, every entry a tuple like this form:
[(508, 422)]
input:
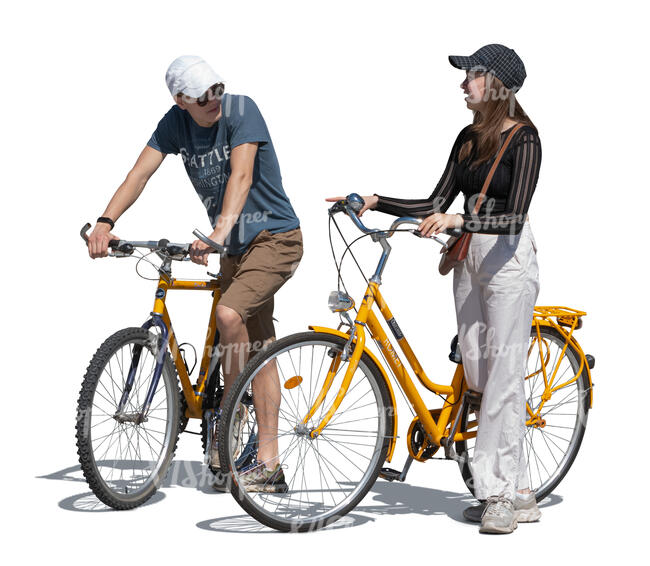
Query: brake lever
[(216, 247), (419, 234), (338, 206)]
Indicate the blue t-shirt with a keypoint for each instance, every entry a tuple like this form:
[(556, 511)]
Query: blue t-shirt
[(206, 156)]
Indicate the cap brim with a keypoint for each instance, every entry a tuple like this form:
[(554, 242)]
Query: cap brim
[(462, 62), (201, 87)]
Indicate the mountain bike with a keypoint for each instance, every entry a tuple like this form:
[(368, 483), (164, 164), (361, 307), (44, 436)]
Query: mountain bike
[(337, 413), (130, 411)]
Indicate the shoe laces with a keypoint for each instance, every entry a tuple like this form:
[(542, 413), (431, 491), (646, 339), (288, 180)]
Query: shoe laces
[(497, 506)]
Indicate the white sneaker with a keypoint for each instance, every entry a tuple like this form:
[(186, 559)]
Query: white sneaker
[(526, 510), (499, 516)]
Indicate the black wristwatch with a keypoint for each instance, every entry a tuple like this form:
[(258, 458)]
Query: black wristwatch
[(106, 220)]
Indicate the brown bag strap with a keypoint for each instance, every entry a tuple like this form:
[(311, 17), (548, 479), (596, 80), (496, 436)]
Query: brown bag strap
[(481, 196)]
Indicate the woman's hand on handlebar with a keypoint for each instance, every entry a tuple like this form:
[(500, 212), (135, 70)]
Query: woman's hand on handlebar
[(439, 222), (370, 202), (98, 240)]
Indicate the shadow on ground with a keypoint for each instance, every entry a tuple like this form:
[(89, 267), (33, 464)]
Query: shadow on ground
[(384, 498)]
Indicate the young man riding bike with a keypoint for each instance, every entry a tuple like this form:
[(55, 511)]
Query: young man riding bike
[(229, 157)]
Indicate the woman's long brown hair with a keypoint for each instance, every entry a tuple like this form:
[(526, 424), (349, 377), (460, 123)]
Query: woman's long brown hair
[(500, 103)]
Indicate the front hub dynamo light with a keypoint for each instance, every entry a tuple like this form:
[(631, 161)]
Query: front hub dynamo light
[(340, 302)]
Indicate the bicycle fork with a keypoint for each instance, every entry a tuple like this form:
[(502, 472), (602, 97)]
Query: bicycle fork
[(138, 417)]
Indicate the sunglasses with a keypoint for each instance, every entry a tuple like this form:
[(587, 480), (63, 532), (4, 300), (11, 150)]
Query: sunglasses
[(215, 91)]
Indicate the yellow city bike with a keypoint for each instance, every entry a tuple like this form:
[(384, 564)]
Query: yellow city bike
[(130, 412), (336, 412)]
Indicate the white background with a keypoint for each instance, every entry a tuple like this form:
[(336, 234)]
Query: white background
[(358, 97)]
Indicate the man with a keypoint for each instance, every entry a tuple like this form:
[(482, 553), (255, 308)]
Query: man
[(229, 157)]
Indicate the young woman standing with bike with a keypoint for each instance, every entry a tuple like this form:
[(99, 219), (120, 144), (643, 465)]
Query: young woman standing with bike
[(496, 287)]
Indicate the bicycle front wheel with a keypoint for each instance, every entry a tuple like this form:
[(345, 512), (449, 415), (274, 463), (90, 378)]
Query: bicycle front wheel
[(277, 401), (124, 455), (552, 441)]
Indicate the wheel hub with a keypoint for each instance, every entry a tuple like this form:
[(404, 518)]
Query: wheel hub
[(135, 418)]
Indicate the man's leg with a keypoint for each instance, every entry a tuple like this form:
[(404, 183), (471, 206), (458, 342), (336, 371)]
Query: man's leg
[(269, 263), (266, 398), (233, 344), (266, 385)]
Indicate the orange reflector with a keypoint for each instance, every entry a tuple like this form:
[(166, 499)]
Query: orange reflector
[(293, 382)]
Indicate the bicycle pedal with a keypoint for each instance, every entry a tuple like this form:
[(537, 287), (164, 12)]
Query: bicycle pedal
[(390, 474), (474, 399)]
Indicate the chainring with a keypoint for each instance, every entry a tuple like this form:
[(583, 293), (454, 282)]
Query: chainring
[(419, 447)]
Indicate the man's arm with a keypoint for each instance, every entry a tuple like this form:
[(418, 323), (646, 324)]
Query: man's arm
[(126, 194), (242, 161)]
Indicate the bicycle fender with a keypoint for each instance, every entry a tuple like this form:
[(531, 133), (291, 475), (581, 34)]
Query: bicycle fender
[(393, 440)]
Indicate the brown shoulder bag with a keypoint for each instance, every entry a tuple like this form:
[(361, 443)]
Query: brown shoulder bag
[(455, 251)]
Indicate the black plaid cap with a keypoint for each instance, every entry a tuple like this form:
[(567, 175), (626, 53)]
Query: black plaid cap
[(497, 59)]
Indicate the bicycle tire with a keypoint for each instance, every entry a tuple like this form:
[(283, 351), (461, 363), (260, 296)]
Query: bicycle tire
[(100, 393), (317, 451), (581, 397)]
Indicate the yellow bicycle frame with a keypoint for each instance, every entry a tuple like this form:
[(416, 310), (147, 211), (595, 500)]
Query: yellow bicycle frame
[(193, 394), (435, 430)]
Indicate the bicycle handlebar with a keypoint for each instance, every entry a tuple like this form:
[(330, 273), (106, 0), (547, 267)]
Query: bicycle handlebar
[(126, 247), (353, 203)]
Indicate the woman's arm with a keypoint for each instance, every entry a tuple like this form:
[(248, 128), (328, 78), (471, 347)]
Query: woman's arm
[(525, 172), (440, 199)]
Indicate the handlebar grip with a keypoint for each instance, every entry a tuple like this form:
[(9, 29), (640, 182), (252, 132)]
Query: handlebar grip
[(85, 229), (84, 235)]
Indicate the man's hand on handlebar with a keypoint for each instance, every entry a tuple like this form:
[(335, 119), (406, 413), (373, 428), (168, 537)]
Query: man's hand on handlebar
[(439, 222), (199, 252), (98, 240), (370, 202)]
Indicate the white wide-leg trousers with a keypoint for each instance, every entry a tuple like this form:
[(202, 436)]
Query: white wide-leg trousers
[(495, 290)]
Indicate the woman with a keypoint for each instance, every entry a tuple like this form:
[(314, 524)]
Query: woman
[(496, 287)]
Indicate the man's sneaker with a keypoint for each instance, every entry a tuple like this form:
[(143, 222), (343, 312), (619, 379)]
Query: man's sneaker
[(499, 516), (240, 421), (526, 510), (262, 479)]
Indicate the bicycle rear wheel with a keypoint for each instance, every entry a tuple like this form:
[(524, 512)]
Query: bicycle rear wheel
[(326, 476), (123, 460), (551, 446)]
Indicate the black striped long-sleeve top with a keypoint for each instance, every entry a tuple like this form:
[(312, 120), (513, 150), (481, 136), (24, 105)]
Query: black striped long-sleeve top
[(508, 197)]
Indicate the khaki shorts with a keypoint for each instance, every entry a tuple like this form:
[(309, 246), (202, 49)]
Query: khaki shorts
[(249, 280)]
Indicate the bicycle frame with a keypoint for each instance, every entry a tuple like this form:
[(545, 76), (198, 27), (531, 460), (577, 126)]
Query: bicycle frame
[(367, 318), (435, 429), (161, 319)]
